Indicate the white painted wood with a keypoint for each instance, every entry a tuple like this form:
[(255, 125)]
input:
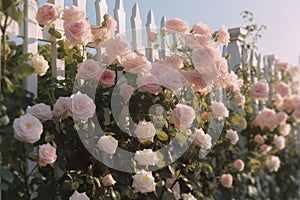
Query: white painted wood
[(253, 64), (164, 38), (136, 27), (81, 4), (101, 10), (120, 16), (151, 53)]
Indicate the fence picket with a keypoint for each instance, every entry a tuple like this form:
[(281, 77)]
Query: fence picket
[(120, 16), (101, 10), (164, 39), (136, 27), (151, 53)]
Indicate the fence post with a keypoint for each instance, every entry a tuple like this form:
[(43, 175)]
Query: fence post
[(136, 26), (164, 38), (151, 53), (234, 48), (271, 74), (101, 10), (120, 16)]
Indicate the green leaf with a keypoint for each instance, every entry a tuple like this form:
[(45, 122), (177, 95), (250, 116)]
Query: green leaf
[(6, 175), (55, 33), (24, 70), (3, 186), (155, 46), (162, 135), (15, 13), (168, 195), (49, 137)]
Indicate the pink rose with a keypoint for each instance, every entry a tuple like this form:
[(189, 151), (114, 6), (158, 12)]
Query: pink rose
[(174, 61), (193, 41), (62, 108), (137, 65), (73, 14), (296, 114), (239, 99), (204, 57), (78, 33), (260, 90), (203, 140), (108, 180), (170, 182), (279, 142), (79, 196), (47, 154), (285, 129), (100, 34), (152, 37), (171, 80), (266, 118), (290, 102), (283, 89), (196, 80), (226, 180), (89, 70), (176, 26), (107, 78), (148, 83), (278, 101), (47, 14), (183, 116), (259, 139), (239, 165), (202, 29), (282, 66), (159, 110), (232, 136), (219, 110), (126, 91), (274, 164), (281, 118), (222, 68), (110, 23), (27, 128), (82, 107), (224, 36), (41, 111), (265, 147), (233, 83)]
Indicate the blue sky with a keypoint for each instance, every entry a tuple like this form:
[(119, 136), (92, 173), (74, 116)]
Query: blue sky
[(282, 36)]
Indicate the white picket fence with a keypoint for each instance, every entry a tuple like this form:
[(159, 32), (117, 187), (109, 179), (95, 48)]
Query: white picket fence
[(32, 33)]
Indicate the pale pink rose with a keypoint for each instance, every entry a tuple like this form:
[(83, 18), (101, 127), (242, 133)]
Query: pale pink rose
[(47, 14), (62, 108), (239, 165), (108, 144), (224, 36), (266, 118), (203, 140), (78, 33), (79, 196), (39, 64), (100, 34), (202, 29), (260, 90), (188, 196), (146, 157), (47, 154), (282, 66), (204, 57), (82, 107), (278, 101), (281, 118), (148, 83), (145, 131), (294, 71), (183, 116), (296, 114), (41, 111), (159, 110), (196, 80), (226, 180), (143, 182), (259, 139), (285, 129), (266, 147), (222, 68), (89, 70), (219, 110), (295, 100), (73, 14), (193, 41), (152, 37), (110, 23), (239, 99), (171, 80), (283, 89), (175, 187), (160, 67), (126, 91), (290, 102), (176, 26), (174, 61), (274, 164), (107, 78), (233, 83), (279, 142), (108, 180), (232, 136), (137, 65), (27, 128)]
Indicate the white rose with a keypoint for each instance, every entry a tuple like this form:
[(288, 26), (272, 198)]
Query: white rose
[(232, 136), (145, 131), (82, 106), (4, 120), (39, 64), (143, 182), (27, 128), (108, 144), (146, 157), (274, 164), (285, 129), (219, 110), (202, 139), (62, 107), (79, 196), (41, 111), (47, 154), (188, 196), (279, 142)]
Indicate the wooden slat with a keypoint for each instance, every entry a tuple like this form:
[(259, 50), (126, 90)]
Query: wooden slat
[(164, 39), (101, 9), (81, 4), (120, 16), (152, 54), (136, 27)]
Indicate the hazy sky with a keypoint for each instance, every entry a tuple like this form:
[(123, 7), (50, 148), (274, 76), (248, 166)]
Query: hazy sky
[(282, 18)]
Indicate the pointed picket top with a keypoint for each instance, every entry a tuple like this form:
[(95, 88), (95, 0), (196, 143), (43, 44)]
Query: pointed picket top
[(81, 4), (150, 20), (120, 16), (101, 9), (152, 54), (136, 26)]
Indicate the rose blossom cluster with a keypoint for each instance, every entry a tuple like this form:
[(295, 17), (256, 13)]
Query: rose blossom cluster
[(268, 118)]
